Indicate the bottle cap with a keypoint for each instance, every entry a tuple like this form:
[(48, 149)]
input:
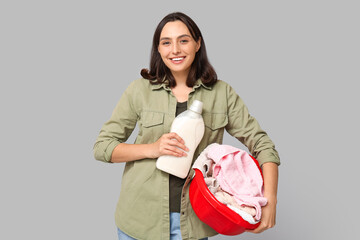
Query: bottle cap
[(196, 106)]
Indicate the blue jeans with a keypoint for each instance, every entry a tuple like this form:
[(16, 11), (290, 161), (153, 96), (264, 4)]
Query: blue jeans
[(175, 233)]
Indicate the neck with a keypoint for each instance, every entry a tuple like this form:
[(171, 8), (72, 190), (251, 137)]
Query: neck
[(180, 78)]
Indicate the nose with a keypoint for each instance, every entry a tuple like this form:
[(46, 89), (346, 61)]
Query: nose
[(175, 48)]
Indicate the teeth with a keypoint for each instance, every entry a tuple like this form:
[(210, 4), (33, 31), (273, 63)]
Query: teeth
[(177, 59)]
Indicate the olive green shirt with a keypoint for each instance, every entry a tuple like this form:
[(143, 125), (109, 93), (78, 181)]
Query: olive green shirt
[(143, 207)]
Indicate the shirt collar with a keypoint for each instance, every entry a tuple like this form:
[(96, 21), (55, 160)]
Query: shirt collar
[(165, 86), (199, 83)]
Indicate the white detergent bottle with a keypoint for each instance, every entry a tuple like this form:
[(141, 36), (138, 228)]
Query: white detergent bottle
[(189, 125)]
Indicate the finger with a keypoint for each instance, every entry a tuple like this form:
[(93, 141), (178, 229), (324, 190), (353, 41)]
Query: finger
[(262, 227), (170, 153), (174, 152), (175, 149), (177, 137), (174, 142), (259, 229)]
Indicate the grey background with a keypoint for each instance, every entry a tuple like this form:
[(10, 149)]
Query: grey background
[(64, 65)]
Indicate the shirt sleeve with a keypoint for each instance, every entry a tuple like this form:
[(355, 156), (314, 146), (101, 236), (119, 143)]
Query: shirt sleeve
[(118, 129), (247, 130)]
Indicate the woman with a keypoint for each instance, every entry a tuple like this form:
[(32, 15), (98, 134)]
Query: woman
[(152, 204)]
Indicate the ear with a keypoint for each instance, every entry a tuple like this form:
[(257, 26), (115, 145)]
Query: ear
[(198, 44)]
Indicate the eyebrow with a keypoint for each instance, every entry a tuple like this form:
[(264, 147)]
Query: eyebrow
[(167, 38)]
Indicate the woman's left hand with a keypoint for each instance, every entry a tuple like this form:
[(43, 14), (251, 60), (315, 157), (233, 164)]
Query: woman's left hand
[(268, 215), (268, 218)]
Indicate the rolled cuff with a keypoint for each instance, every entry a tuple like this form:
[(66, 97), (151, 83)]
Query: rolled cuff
[(268, 155), (104, 153)]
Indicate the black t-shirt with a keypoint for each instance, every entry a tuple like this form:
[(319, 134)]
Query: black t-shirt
[(176, 184)]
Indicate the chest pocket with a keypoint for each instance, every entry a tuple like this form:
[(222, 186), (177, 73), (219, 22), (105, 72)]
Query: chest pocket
[(214, 121), (151, 119), (151, 127), (214, 129)]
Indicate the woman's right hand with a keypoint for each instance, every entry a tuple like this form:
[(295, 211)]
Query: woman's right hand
[(169, 144)]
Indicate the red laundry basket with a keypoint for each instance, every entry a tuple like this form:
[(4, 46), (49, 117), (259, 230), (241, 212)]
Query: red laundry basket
[(214, 213)]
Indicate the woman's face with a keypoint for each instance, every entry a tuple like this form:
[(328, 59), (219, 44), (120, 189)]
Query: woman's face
[(177, 47)]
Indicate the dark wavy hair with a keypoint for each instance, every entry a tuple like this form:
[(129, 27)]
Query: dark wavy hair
[(200, 68)]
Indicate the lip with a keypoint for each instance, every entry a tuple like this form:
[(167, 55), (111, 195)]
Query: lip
[(177, 60)]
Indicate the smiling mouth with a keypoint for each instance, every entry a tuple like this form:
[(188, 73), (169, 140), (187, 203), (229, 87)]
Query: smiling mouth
[(177, 59)]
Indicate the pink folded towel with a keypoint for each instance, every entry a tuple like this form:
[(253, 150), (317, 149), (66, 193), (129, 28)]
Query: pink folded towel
[(237, 173)]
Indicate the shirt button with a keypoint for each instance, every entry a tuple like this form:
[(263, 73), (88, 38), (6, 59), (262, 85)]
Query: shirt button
[(183, 213)]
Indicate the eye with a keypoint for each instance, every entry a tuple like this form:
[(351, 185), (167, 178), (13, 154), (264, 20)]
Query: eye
[(165, 43), (184, 41)]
